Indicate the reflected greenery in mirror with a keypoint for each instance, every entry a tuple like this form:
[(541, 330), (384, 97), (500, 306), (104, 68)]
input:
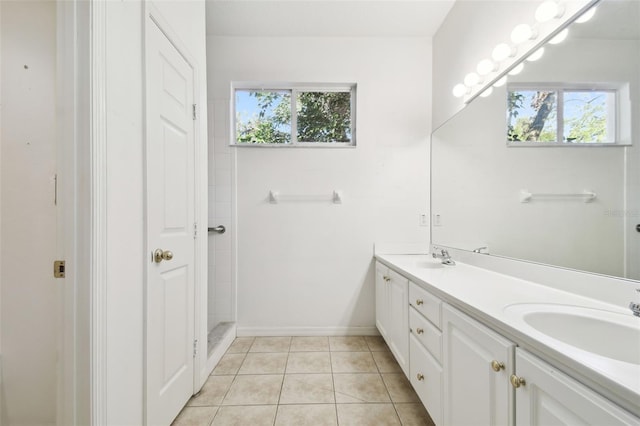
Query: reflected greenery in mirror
[(547, 168)]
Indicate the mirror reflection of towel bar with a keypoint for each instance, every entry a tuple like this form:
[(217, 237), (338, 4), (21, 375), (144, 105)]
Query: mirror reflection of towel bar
[(275, 197), (526, 196)]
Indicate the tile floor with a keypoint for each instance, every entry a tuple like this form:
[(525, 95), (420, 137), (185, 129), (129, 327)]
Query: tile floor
[(302, 381)]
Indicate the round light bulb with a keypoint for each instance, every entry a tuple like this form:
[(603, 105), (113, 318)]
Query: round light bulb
[(502, 52), (487, 92), (587, 15), (500, 82), (522, 33), (536, 55), (471, 79), (485, 67), (560, 37), (459, 90), (517, 70), (548, 11)]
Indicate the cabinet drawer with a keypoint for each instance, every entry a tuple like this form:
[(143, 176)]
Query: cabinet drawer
[(425, 303), (426, 379), (426, 333)]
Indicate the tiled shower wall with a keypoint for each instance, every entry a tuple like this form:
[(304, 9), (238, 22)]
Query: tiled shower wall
[(221, 300)]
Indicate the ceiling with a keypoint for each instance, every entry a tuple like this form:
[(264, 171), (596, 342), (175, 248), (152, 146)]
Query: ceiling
[(326, 18)]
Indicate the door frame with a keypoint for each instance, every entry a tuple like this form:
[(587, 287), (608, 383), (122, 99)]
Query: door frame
[(81, 168), (82, 143), (152, 16)]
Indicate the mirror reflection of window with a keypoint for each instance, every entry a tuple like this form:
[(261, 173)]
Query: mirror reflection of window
[(561, 115)]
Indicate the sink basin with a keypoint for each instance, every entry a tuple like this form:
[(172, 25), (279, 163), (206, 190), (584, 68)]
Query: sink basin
[(609, 334)]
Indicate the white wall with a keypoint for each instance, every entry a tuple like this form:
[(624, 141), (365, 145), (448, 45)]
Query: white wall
[(29, 293), (307, 267), (126, 257)]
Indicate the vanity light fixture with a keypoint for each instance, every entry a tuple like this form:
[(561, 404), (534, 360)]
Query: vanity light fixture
[(587, 15), (487, 92), (522, 33), (502, 52), (459, 90), (518, 69), (549, 10), (500, 82), (472, 79), (560, 37), (536, 55), (486, 66)]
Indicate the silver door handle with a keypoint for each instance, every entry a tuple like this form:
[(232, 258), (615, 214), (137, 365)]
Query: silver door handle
[(218, 229)]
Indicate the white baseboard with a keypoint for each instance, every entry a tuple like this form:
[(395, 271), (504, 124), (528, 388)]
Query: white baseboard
[(307, 331)]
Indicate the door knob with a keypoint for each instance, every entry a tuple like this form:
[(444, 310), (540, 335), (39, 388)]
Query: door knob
[(218, 229), (159, 255)]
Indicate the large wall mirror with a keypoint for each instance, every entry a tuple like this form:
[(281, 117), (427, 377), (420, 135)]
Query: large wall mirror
[(546, 168)]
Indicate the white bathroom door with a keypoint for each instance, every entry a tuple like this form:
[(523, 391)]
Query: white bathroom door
[(170, 228)]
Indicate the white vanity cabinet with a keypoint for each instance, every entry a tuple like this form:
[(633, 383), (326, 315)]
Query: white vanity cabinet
[(392, 312), (477, 364), (546, 396), (425, 348)]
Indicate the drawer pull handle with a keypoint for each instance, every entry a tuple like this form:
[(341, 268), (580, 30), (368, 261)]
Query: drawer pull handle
[(497, 366), (419, 301), (419, 330), (386, 278), (516, 381), (420, 376)]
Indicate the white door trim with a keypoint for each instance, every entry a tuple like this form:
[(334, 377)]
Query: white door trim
[(98, 219)]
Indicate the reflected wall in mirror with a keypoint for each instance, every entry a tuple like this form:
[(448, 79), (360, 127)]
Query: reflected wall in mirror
[(567, 204)]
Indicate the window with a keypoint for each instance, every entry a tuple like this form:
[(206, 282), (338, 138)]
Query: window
[(561, 116), (301, 115)]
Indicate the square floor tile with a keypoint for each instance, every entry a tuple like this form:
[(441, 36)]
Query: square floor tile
[(256, 415), (229, 364), (254, 390), (240, 345), (367, 415), (376, 343), (309, 344), (212, 392), (271, 344), (399, 388), (413, 414), (354, 388), (348, 343), (195, 416), (353, 362), (264, 363), (307, 389), (386, 362), (306, 415), (309, 362)]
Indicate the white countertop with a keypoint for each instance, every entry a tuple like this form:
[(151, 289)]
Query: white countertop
[(484, 294)]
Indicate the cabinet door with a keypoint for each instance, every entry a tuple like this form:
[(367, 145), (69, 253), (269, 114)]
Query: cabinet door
[(398, 320), (549, 397), (382, 311), (426, 379), (474, 393)]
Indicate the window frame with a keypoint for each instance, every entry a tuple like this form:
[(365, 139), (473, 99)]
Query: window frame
[(617, 90), (293, 88)]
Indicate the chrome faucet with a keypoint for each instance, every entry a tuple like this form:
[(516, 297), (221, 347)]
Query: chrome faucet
[(444, 255), (635, 307)]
